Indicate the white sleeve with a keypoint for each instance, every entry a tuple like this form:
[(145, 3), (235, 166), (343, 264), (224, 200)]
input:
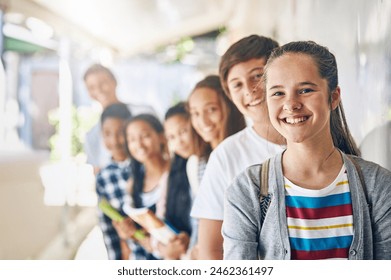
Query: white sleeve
[(90, 148), (192, 173), (209, 201)]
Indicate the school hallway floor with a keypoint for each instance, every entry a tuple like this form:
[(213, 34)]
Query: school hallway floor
[(30, 229)]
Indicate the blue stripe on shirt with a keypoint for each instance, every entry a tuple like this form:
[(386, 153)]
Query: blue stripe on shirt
[(321, 243), (318, 202)]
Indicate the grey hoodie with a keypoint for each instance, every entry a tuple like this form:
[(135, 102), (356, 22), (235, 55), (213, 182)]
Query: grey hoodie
[(244, 239)]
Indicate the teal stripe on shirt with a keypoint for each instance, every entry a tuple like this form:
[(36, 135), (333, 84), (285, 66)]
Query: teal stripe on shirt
[(321, 243), (318, 202)]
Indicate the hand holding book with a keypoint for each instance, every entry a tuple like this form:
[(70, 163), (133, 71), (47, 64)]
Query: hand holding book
[(151, 223), (123, 225)]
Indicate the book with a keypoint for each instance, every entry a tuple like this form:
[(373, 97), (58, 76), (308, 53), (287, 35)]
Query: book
[(113, 214), (156, 227)]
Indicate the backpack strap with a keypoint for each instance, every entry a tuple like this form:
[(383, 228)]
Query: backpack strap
[(264, 197), (264, 178)]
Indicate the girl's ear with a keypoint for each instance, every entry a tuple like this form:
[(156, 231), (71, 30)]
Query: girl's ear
[(335, 98)]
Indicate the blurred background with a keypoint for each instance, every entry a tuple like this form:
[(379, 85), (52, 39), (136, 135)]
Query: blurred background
[(158, 50)]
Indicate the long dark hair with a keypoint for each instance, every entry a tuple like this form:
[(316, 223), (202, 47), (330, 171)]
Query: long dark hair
[(179, 200), (137, 168), (327, 67)]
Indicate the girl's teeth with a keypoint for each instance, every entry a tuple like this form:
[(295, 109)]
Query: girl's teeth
[(255, 102), (295, 120)]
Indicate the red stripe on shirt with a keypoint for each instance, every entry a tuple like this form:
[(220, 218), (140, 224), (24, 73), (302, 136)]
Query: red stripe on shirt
[(319, 213), (319, 255)]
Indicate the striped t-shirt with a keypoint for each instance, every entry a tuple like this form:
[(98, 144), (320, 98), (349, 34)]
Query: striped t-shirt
[(320, 222)]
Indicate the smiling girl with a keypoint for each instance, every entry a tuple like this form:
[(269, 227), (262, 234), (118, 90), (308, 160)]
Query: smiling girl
[(213, 116), (322, 202)]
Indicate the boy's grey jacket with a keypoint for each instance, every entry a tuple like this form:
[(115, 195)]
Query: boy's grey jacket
[(243, 238)]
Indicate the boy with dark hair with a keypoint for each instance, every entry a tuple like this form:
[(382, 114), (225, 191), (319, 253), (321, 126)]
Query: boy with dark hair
[(241, 69)]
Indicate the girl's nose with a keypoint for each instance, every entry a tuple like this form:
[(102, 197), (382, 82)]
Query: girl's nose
[(292, 105), (205, 119), (249, 89)]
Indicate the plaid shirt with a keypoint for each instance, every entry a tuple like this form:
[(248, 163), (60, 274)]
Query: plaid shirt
[(111, 184)]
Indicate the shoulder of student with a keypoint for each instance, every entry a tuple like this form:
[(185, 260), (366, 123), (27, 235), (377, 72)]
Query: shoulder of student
[(231, 143), (377, 178), (244, 190)]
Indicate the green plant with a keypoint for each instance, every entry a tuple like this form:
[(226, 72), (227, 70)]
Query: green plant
[(82, 120)]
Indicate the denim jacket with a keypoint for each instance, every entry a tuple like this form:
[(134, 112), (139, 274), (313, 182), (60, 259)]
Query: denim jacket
[(245, 239)]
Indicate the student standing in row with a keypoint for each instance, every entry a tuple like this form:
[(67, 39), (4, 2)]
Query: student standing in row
[(214, 117), (111, 181), (241, 69), (101, 85), (150, 165), (324, 203), (181, 141)]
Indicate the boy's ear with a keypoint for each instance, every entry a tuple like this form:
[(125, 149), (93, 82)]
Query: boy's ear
[(335, 98)]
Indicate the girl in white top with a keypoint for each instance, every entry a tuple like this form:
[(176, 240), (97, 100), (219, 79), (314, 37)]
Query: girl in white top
[(214, 117)]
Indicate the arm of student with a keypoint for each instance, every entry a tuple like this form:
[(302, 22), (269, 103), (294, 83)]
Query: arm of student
[(241, 220), (125, 229), (208, 206), (210, 240), (125, 250), (175, 248), (381, 216), (111, 238)]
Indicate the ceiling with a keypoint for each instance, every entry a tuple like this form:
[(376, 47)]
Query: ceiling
[(126, 27)]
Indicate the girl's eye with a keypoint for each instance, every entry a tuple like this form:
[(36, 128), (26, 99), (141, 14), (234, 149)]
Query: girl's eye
[(146, 135), (237, 85), (258, 76), (183, 131), (306, 90), (211, 109), (277, 93)]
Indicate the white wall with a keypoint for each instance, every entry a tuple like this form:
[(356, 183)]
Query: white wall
[(355, 31)]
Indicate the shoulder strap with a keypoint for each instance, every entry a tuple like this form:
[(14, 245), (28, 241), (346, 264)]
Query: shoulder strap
[(264, 178), (264, 197)]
